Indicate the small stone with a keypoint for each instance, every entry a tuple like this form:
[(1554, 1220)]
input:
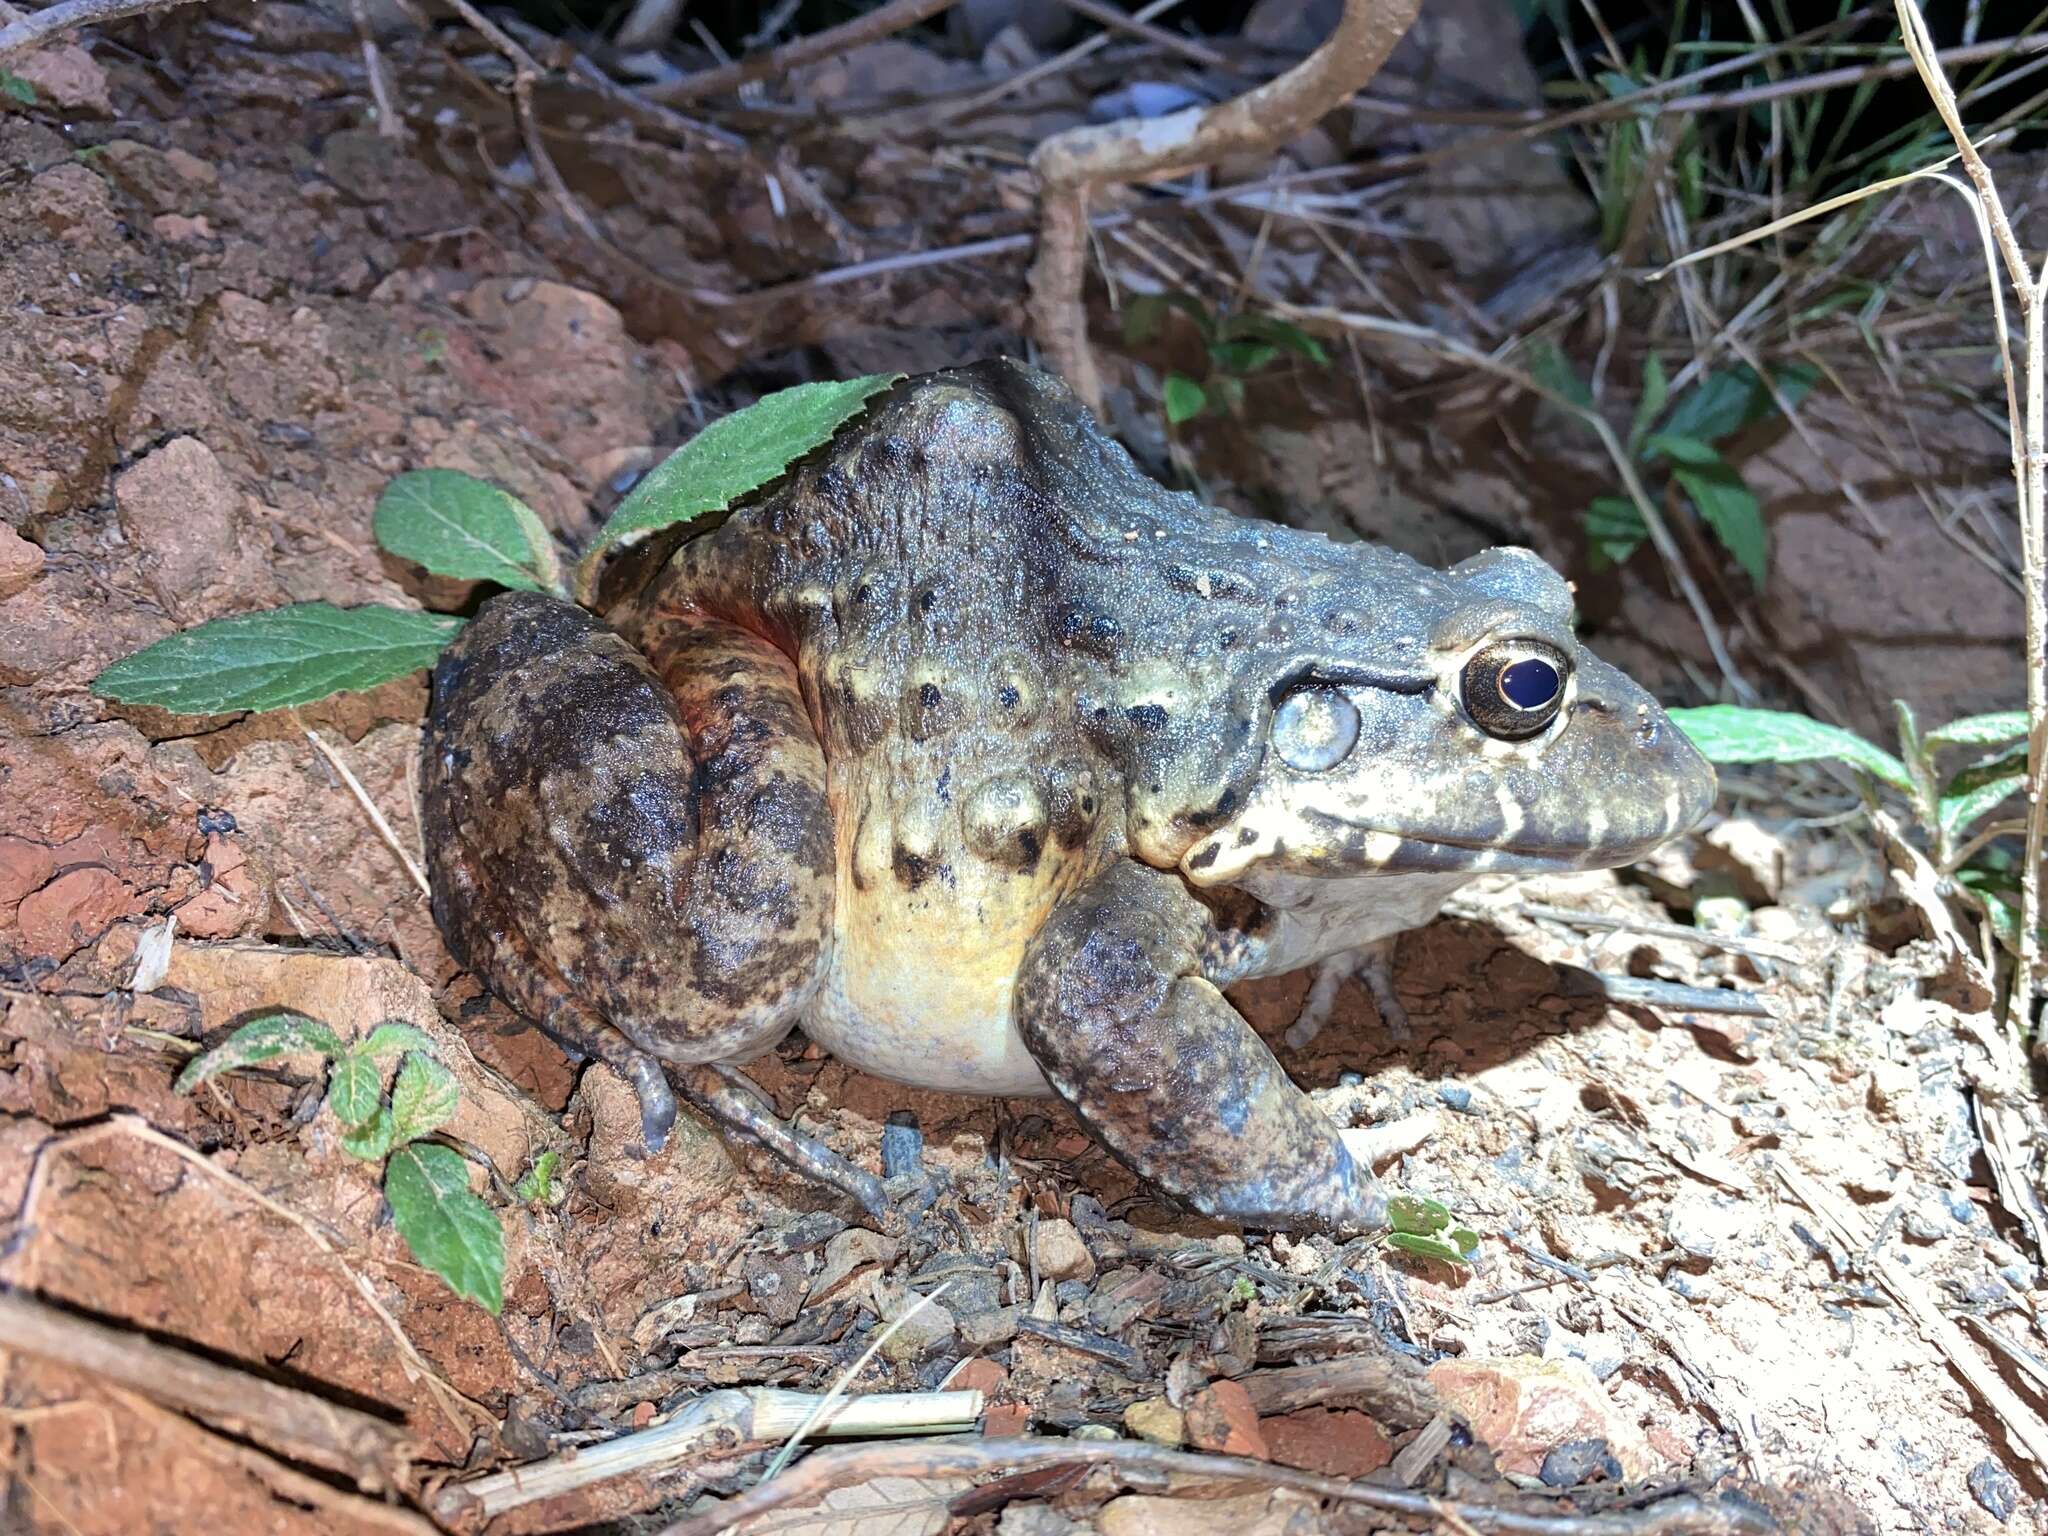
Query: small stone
[(1521, 1407), (1060, 1252), (902, 1146), (925, 1329), (643, 1415), (1035, 1519), (1273, 1512), (23, 866), (70, 200), (1579, 1461), (1157, 1420), (182, 508), (986, 1330), (1220, 1417), (66, 77), (1455, 1096), (1994, 1488), (20, 562), (978, 1375), (71, 911), (846, 1254), (1337, 1442), (1005, 1421)]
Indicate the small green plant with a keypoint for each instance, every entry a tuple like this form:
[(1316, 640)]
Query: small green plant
[(1952, 778), (453, 524), (1424, 1227), (1238, 345), (537, 1186), (1683, 445), (426, 1183), (18, 88)]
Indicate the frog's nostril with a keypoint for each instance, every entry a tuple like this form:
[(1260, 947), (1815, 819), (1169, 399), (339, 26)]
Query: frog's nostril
[(1648, 731)]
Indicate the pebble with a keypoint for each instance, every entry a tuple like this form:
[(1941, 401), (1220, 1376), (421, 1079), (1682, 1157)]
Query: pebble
[(20, 562), (1337, 1442), (924, 1333), (986, 1330), (1060, 1253), (1994, 1488), (1221, 1418), (902, 1146), (1579, 1461), (1157, 1420)]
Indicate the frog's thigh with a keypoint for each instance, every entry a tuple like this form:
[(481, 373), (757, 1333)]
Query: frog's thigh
[(1167, 1074), (655, 849)]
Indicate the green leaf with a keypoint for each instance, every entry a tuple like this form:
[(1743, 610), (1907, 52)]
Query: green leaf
[(1614, 527), (283, 1033), (1656, 390), (1721, 499), (13, 85), (1996, 765), (734, 455), (423, 1099), (447, 1228), (391, 1038), (1726, 401), (1961, 812), (278, 658), (1416, 1216), (457, 525), (1428, 1248), (1726, 733), (1244, 356), (1980, 730), (538, 1184), (1550, 368), (1290, 338), (1144, 313), (372, 1139), (356, 1090), (1185, 399)]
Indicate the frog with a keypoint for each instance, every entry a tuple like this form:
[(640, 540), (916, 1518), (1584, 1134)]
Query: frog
[(988, 762)]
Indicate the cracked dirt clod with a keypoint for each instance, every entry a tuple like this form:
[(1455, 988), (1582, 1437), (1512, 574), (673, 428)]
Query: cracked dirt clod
[(20, 562), (180, 505)]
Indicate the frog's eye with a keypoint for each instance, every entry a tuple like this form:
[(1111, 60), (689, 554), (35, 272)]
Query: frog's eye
[(1315, 728), (1513, 688)]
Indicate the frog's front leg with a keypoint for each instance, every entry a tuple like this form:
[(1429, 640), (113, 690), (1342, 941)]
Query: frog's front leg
[(635, 851), (1154, 1061)]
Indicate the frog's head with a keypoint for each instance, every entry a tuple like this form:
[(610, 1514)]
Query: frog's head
[(1465, 732)]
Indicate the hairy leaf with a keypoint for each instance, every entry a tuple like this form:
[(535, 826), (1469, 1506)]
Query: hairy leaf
[(447, 1228), (1143, 315), (356, 1090), (1961, 812), (1721, 499), (1726, 401), (538, 1183), (1614, 527), (1549, 367), (372, 1139), (733, 456), (393, 1038), (1291, 338), (1417, 1216), (457, 525), (278, 658), (283, 1033), (1980, 730), (1429, 1248), (423, 1098), (1656, 390), (1726, 733)]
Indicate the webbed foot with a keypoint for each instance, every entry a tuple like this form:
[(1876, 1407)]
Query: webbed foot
[(1373, 965)]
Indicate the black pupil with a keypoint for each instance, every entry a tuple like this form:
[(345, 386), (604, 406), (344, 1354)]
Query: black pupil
[(1529, 684)]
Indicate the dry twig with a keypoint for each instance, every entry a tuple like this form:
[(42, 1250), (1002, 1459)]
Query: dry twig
[(1070, 165), (1683, 1516), (865, 28), (32, 31)]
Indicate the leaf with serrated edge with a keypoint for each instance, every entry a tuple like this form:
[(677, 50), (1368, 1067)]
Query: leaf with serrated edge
[(881, 1506), (278, 658), (283, 1033), (392, 1038), (1415, 1214), (457, 525), (372, 1139), (1428, 1248), (356, 1090), (1726, 733), (423, 1099), (447, 1228), (1980, 730), (735, 455)]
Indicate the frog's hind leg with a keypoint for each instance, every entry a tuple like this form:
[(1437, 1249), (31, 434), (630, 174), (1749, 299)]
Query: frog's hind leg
[(634, 851), (1166, 1073)]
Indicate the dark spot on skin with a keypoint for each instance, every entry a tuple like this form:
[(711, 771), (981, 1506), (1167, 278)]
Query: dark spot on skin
[(1216, 812), (1205, 858), (946, 786), (1146, 717), (912, 869), (1246, 837), (927, 600), (1008, 696), (1028, 841), (862, 593), (928, 695)]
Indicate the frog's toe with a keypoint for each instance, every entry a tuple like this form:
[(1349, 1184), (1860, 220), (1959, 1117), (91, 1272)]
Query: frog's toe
[(657, 1101), (728, 1097), (1373, 966)]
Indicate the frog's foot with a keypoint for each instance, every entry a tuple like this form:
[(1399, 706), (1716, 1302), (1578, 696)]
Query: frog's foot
[(1166, 1073), (1373, 965), (730, 1098)]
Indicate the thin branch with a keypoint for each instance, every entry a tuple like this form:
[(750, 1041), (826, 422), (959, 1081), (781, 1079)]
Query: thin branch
[(827, 1470), (18, 37), (1070, 164), (369, 1451), (866, 28), (1109, 16)]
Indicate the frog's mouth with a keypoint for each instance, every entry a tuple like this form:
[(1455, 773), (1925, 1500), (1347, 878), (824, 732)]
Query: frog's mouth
[(1321, 846)]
